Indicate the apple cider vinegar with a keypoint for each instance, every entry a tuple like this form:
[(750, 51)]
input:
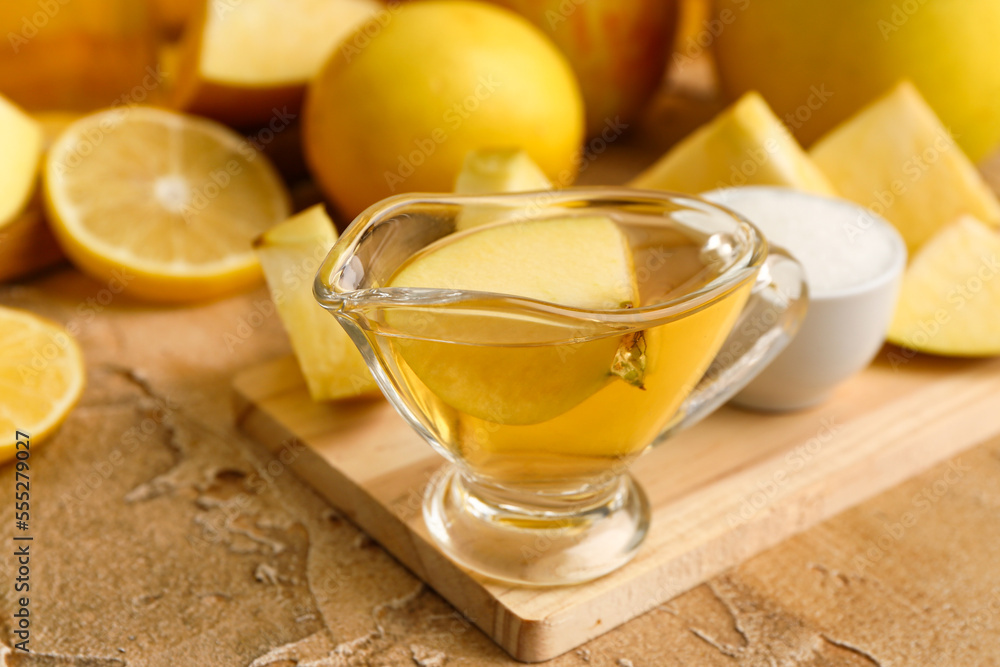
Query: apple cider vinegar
[(541, 341), (548, 403)]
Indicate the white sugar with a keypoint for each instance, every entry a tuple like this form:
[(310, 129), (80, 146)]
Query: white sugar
[(839, 244)]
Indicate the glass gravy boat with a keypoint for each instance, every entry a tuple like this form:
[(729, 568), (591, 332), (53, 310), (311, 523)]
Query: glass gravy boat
[(541, 408)]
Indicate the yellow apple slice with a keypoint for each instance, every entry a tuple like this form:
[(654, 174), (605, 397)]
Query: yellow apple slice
[(950, 301), (490, 171), (21, 141), (290, 254), (745, 145), (898, 159), (578, 262), (26, 241), (242, 62), (27, 244), (500, 170)]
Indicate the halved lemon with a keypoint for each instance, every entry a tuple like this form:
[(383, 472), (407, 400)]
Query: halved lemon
[(164, 203), (41, 378)]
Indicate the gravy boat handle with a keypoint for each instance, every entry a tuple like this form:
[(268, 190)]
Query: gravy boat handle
[(770, 319)]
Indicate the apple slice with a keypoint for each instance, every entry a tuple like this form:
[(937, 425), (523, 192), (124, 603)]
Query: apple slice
[(290, 254), (22, 140), (577, 262), (27, 244), (745, 145), (500, 170), (950, 302), (242, 61), (899, 160), (494, 170)]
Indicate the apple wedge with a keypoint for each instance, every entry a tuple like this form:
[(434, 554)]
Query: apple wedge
[(744, 145), (577, 262), (241, 61), (290, 254), (490, 171), (950, 301), (22, 140), (27, 244), (500, 170), (898, 159)]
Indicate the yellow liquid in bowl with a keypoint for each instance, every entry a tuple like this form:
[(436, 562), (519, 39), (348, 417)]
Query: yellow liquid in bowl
[(558, 414)]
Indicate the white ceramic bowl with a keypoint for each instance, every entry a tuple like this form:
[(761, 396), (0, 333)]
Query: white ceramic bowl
[(852, 296)]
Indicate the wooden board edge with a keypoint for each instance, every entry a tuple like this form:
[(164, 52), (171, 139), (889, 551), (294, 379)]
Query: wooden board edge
[(540, 639), (801, 508)]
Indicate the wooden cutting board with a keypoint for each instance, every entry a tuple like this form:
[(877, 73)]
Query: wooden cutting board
[(730, 487)]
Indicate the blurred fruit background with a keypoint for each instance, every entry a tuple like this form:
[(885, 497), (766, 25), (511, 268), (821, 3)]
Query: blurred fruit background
[(75, 56), (233, 114), (817, 63), (893, 105), (171, 16), (618, 50)]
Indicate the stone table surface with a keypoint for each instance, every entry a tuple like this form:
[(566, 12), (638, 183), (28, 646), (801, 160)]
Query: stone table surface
[(165, 537)]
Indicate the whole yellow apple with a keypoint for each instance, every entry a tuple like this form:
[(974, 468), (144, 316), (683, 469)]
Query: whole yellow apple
[(816, 63), (618, 49), (398, 107)]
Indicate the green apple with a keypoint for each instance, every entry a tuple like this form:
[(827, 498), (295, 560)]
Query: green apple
[(816, 63)]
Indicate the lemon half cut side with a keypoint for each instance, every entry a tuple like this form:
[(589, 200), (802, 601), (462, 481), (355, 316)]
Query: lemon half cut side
[(41, 378), (164, 203)]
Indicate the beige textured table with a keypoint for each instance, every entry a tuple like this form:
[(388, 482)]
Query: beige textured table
[(164, 537)]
